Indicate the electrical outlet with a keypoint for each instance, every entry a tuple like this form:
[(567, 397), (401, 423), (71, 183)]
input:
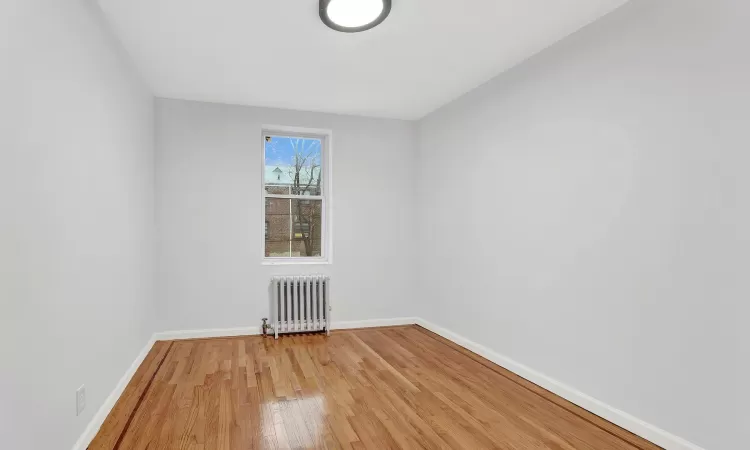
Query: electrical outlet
[(80, 400)]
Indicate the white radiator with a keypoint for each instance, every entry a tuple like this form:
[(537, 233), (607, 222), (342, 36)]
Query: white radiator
[(300, 304)]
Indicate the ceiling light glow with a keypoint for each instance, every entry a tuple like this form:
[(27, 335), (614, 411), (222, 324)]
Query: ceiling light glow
[(353, 15)]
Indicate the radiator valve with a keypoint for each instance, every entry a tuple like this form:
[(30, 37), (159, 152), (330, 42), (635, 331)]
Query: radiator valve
[(266, 327)]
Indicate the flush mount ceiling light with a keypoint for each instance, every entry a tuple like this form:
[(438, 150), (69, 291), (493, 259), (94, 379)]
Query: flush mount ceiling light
[(351, 16)]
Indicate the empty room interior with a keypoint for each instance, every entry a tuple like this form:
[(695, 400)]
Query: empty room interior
[(374, 224)]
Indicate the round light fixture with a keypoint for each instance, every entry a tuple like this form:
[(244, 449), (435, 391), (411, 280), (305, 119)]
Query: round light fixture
[(351, 16)]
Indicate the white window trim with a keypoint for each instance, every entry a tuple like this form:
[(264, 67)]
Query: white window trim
[(327, 198)]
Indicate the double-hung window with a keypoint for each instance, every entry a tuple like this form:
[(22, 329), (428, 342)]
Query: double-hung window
[(296, 185)]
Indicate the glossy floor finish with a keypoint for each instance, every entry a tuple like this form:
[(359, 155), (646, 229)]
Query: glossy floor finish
[(400, 387)]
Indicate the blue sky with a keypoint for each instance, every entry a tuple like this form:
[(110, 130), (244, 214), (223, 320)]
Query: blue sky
[(280, 151)]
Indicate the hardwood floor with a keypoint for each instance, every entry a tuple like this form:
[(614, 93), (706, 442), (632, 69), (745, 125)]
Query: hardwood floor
[(399, 387)]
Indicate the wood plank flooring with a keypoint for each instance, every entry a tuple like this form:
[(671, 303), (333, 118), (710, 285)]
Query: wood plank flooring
[(378, 388)]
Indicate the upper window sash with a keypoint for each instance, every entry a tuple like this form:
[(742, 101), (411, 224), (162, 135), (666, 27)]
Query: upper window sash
[(295, 164)]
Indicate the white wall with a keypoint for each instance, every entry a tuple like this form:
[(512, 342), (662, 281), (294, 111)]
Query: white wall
[(590, 211), (76, 219), (209, 215)]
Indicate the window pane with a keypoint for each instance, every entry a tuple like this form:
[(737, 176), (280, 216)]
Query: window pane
[(294, 227), (292, 165)]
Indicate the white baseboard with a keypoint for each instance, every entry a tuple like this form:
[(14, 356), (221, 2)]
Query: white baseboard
[(601, 409), (206, 333), (101, 414), (349, 324), (252, 331)]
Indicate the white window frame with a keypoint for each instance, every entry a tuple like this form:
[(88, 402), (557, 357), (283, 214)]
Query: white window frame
[(326, 141)]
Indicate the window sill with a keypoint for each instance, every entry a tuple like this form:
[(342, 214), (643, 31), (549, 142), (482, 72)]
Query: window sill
[(295, 262)]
